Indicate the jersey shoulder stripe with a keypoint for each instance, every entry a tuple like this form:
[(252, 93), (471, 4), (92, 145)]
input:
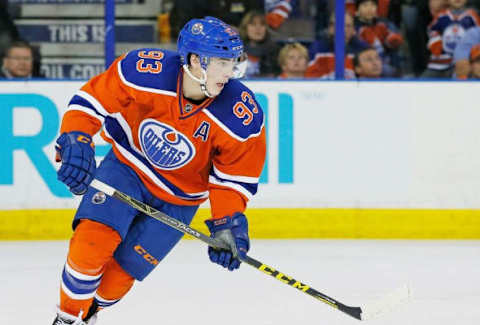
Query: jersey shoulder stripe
[(237, 111), (150, 69)]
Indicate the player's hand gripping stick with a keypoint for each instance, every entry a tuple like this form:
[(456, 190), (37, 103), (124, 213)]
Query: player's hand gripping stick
[(232, 231), (76, 152)]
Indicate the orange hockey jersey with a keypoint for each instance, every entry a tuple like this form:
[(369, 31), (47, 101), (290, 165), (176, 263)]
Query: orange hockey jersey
[(182, 152)]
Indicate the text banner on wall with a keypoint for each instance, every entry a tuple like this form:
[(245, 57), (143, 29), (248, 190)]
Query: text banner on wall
[(330, 144)]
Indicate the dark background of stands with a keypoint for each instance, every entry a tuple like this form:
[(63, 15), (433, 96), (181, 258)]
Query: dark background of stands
[(69, 35)]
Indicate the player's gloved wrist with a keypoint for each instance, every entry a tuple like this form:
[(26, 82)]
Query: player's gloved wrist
[(233, 232), (76, 152)]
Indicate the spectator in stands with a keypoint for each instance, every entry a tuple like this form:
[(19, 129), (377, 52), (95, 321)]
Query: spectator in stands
[(277, 11), (414, 16), (475, 62), (382, 9), (231, 11), (322, 56), (367, 64), (380, 34), (8, 31), (293, 60), (18, 61), (445, 32), (262, 51), (350, 7), (461, 55), (437, 6)]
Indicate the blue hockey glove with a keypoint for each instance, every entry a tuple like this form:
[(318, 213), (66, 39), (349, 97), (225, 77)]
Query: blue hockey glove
[(233, 231), (77, 154)]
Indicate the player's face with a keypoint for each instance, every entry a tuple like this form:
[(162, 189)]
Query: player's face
[(19, 62), (367, 10), (457, 4), (219, 71)]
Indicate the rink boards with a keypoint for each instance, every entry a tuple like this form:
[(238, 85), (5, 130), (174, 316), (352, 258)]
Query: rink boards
[(345, 160), (284, 224)]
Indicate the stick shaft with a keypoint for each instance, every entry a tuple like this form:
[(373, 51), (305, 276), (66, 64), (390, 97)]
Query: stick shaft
[(174, 223)]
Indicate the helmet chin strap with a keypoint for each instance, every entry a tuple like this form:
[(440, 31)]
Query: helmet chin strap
[(202, 82)]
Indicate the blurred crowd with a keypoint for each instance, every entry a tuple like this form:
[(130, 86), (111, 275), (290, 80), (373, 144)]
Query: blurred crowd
[(383, 38)]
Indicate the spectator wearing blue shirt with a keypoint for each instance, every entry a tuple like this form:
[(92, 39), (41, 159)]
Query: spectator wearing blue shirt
[(475, 62), (461, 56)]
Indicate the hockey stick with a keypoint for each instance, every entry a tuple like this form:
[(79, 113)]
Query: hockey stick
[(361, 313)]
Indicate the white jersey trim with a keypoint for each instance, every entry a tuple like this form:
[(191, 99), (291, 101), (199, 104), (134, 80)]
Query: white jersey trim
[(128, 131), (101, 299), (151, 90), (81, 276), (76, 295), (242, 179), (86, 110), (92, 100), (234, 186), (438, 66), (226, 129), (280, 12)]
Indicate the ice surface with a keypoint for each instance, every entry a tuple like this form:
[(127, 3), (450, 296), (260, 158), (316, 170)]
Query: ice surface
[(187, 289)]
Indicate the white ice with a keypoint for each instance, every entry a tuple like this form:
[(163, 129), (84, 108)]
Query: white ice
[(187, 289)]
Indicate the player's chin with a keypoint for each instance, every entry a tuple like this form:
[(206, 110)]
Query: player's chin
[(217, 88)]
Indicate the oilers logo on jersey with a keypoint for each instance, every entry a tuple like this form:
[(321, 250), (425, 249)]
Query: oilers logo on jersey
[(163, 146), (452, 36)]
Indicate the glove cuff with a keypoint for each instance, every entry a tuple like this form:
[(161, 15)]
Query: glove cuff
[(226, 222), (68, 138)]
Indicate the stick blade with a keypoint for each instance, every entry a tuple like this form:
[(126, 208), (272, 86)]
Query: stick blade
[(397, 297)]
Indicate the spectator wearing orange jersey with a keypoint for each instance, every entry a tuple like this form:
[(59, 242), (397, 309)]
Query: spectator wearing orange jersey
[(277, 11), (379, 33), (445, 32), (293, 60), (322, 56)]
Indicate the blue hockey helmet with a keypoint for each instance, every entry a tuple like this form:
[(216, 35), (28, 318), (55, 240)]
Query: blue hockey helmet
[(209, 37)]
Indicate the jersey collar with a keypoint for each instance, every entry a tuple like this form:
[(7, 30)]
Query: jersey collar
[(187, 108)]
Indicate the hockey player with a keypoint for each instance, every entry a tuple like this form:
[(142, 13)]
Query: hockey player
[(182, 130)]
